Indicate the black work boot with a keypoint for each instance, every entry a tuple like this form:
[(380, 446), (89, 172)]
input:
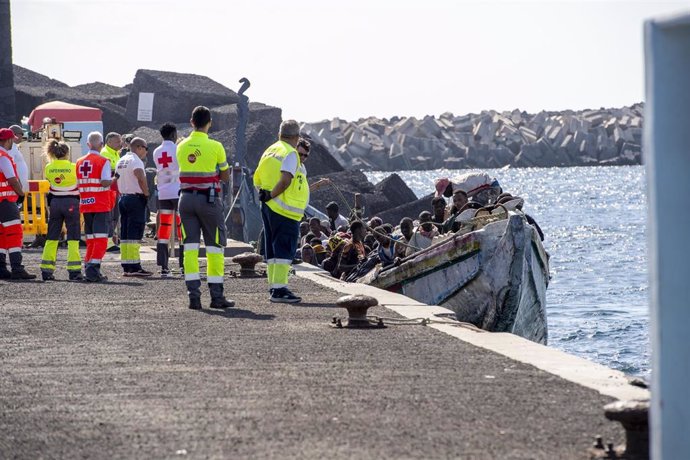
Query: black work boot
[(76, 276), (94, 275), (194, 293), (47, 276), (218, 300), (21, 274), (5, 274), (195, 303)]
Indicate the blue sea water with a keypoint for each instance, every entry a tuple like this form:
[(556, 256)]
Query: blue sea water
[(594, 220)]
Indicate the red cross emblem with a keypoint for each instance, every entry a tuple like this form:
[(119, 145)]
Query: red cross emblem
[(85, 168), (165, 159)]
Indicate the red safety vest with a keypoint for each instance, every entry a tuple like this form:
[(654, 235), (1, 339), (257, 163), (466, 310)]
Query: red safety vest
[(92, 196), (7, 193)]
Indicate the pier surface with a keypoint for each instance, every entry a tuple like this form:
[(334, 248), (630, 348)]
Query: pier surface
[(125, 370)]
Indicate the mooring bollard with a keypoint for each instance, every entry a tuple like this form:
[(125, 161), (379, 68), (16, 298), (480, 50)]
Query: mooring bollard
[(248, 261), (357, 306), (634, 416)]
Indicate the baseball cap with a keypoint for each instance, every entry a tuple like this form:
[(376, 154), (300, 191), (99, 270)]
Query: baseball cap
[(17, 130), (6, 133)]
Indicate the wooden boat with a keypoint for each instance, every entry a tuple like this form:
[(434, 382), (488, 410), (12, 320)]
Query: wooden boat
[(493, 273)]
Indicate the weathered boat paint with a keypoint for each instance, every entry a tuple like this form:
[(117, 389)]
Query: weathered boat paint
[(495, 277)]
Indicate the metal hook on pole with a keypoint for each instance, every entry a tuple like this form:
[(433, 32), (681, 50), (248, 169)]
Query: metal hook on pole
[(245, 85)]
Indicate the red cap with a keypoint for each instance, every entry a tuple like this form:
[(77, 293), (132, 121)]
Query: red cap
[(6, 134)]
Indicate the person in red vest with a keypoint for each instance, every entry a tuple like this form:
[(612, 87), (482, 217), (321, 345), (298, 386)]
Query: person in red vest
[(11, 193), (95, 202)]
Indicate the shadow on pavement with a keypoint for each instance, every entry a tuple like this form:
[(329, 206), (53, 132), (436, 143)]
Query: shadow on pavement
[(237, 313), (312, 305), (117, 283)]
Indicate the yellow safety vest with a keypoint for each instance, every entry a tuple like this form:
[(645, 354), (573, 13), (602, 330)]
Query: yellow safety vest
[(200, 159), (293, 201), (112, 155), (62, 175)]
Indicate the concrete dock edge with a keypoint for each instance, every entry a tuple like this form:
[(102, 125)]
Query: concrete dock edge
[(591, 375)]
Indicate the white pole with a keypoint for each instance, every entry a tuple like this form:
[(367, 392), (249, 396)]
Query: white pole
[(667, 158)]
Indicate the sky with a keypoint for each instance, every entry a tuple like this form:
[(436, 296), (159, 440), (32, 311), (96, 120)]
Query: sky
[(320, 59)]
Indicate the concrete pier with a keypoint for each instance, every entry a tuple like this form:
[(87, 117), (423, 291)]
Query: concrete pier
[(125, 370)]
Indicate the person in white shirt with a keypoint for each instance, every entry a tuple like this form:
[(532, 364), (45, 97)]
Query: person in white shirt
[(334, 217), (168, 183), (423, 235), (134, 193), (18, 158)]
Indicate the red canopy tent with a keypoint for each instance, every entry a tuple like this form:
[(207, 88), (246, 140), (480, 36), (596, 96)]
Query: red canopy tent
[(62, 112)]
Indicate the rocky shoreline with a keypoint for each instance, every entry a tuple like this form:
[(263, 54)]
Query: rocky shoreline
[(489, 139)]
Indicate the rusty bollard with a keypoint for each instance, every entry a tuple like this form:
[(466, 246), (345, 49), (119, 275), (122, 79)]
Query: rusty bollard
[(634, 416), (247, 261), (357, 306)]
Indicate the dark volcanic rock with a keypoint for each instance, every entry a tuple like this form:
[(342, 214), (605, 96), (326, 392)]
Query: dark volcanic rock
[(33, 89), (225, 116), (29, 97), (258, 137), (153, 139), (412, 210), (106, 92), (113, 117), (396, 190), (349, 182), (321, 161), (26, 77), (176, 94)]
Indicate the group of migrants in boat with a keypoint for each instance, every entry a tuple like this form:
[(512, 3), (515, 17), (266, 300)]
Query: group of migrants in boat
[(349, 248)]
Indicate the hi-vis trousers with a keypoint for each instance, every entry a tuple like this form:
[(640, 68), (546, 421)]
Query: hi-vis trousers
[(11, 236), (63, 210), (166, 209), (201, 217), (281, 234), (96, 230)]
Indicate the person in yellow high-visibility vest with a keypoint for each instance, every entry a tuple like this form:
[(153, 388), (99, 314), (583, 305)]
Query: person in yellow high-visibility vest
[(63, 197), (203, 165), (283, 189)]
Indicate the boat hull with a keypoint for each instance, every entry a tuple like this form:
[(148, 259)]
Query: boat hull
[(494, 278)]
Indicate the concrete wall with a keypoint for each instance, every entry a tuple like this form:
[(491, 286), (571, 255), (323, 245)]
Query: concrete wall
[(7, 107)]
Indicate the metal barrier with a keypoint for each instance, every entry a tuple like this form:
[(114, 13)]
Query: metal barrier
[(34, 208)]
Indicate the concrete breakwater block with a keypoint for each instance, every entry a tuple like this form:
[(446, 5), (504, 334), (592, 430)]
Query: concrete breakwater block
[(572, 137)]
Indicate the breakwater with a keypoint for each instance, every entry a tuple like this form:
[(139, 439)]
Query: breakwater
[(488, 139)]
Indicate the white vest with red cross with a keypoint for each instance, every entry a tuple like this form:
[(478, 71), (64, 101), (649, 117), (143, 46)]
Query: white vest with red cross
[(168, 177)]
